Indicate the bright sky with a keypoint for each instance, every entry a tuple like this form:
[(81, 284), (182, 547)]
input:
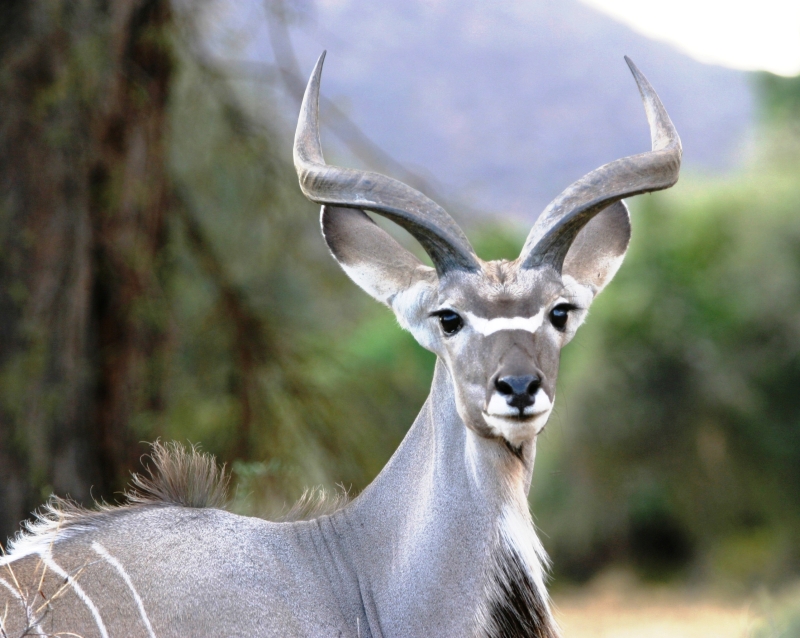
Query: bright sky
[(742, 34)]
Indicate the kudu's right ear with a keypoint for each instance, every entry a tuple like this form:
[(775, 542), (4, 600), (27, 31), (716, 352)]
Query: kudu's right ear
[(371, 257), (598, 250)]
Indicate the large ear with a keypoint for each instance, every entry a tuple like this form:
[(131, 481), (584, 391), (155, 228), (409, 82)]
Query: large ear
[(370, 256), (598, 250)]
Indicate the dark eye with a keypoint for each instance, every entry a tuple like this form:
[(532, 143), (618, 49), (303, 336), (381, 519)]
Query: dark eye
[(451, 322), (559, 316)]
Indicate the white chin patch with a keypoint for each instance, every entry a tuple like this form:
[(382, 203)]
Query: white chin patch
[(504, 420)]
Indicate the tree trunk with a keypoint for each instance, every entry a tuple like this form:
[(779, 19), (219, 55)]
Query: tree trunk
[(83, 202)]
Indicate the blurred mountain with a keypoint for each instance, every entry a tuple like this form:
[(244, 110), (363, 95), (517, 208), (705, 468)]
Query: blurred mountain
[(505, 103)]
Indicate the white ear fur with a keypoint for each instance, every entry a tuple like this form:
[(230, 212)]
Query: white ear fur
[(372, 258), (598, 250)]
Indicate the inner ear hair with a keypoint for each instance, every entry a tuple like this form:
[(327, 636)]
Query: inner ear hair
[(598, 250), (369, 255)]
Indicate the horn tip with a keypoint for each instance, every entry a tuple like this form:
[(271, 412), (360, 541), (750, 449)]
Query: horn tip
[(318, 66), (637, 74), (646, 90), (307, 145)]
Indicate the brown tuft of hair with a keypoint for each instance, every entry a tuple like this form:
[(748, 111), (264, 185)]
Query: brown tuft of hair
[(180, 476)]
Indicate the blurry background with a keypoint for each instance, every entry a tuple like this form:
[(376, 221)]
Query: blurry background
[(162, 276)]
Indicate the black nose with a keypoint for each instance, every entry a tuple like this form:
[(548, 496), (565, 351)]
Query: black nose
[(518, 391)]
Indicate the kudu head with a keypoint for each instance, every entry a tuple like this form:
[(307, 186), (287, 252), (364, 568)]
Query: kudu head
[(497, 326)]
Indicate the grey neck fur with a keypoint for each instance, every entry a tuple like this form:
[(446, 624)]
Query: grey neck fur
[(432, 523)]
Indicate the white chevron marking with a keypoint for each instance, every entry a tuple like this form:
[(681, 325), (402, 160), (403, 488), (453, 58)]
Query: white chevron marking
[(489, 326)]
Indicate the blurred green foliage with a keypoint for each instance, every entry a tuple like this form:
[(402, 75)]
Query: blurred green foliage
[(676, 446), (780, 97)]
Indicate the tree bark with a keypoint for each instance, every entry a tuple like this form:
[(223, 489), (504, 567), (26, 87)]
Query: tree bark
[(84, 193)]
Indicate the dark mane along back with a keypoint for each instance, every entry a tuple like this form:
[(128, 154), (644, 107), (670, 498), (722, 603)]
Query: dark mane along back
[(180, 476), (177, 475)]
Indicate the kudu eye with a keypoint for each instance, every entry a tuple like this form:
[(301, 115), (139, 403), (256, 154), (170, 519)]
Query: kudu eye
[(451, 322), (559, 315)]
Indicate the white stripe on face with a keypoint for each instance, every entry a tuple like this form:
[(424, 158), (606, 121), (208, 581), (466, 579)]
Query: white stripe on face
[(489, 326)]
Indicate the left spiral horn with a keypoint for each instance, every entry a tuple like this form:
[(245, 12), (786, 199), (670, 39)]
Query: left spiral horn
[(428, 223)]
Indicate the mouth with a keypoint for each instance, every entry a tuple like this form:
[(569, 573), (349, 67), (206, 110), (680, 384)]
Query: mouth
[(516, 417), (514, 425), (517, 428)]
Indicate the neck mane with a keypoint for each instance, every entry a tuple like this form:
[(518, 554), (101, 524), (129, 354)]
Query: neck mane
[(445, 544)]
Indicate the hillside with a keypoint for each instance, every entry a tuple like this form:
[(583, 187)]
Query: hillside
[(503, 103)]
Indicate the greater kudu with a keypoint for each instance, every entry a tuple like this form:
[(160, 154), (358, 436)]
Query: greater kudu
[(441, 543)]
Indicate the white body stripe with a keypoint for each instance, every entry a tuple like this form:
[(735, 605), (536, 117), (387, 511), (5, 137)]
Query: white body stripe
[(489, 326), (79, 592), (13, 590), (36, 626), (104, 553)]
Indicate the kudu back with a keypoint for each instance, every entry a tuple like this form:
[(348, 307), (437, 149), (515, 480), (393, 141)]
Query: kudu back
[(441, 543)]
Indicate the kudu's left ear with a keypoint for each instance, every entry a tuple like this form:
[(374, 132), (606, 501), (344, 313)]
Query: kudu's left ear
[(370, 256), (598, 250)]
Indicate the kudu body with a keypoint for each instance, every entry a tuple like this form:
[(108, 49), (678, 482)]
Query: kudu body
[(442, 542)]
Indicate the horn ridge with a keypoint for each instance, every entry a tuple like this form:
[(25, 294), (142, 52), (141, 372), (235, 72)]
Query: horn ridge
[(428, 223), (556, 228)]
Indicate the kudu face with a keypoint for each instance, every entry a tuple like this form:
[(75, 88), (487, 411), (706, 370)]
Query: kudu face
[(497, 326), (500, 332), (499, 329)]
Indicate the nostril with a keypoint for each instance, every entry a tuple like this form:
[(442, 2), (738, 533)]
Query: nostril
[(503, 387), (518, 391)]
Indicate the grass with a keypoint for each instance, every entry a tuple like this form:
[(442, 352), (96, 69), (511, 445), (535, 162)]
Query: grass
[(615, 605)]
